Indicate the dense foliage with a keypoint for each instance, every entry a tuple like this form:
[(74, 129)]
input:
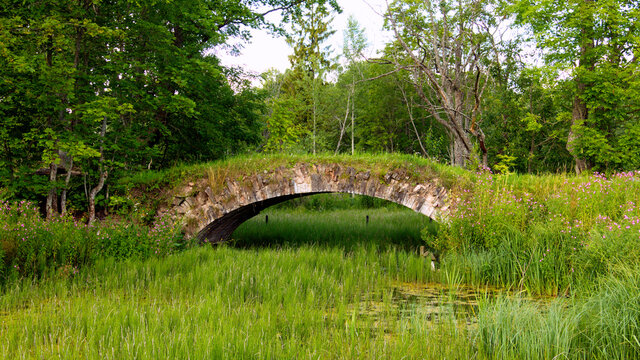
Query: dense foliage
[(31, 247), (92, 91), (520, 86)]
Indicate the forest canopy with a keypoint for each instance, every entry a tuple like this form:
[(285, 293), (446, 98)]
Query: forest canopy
[(91, 91)]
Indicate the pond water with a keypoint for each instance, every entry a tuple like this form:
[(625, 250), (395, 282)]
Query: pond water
[(434, 301)]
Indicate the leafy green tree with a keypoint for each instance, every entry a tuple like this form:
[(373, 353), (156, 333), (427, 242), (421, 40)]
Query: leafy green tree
[(284, 133), (596, 42), (310, 59), (50, 57), (523, 118), (101, 88), (355, 42)]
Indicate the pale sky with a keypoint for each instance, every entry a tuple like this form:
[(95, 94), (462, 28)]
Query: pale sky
[(265, 52)]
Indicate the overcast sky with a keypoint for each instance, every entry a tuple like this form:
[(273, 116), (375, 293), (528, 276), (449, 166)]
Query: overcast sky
[(265, 52)]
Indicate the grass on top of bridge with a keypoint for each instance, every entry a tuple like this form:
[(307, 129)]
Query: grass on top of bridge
[(417, 168)]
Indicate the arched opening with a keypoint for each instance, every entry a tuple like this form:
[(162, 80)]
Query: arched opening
[(334, 220), (221, 229)]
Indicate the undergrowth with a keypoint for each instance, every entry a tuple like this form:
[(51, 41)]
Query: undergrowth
[(546, 234), (31, 246)]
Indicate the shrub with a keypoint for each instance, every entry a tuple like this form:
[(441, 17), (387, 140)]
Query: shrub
[(30, 245)]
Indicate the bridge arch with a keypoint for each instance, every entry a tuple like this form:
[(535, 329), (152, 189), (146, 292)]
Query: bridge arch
[(212, 212)]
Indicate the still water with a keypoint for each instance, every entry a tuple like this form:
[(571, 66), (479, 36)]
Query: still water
[(433, 302)]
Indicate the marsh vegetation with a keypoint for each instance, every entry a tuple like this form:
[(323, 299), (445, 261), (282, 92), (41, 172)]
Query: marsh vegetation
[(318, 281)]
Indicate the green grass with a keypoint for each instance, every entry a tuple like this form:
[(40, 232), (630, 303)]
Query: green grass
[(294, 303), (308, 296), (603, 325), (223, 303), (548, 234), (347, 229)]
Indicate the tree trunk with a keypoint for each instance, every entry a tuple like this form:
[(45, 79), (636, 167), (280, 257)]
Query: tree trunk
[(460, 153), (106, 201), (578, 114), (343, 125), (51, 197), (353, 126), (92, 196), (410, 112), (532, 149), (103, 175), (63, 199), (483, 148), (314, 123)]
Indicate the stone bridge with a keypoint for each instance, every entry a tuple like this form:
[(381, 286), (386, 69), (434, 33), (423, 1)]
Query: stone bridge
[(216, 204)]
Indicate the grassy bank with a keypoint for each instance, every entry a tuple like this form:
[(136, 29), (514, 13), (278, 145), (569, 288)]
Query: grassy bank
[(546, 234)]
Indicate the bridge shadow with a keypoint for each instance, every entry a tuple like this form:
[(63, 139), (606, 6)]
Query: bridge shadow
[(334, 221)]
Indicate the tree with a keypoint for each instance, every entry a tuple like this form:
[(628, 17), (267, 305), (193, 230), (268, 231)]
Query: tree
[(445, 47), (53, 52), (310, 59), (385, 122), (282, 131), (596, 42), (524, 118), (103, 87), (355, 43)]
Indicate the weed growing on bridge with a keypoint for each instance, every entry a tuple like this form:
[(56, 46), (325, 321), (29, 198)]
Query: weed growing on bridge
[(417, 168)]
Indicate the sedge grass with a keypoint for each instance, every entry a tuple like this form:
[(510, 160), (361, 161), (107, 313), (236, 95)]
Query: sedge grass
[(348, 228), (293, 303), (212, 303)]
